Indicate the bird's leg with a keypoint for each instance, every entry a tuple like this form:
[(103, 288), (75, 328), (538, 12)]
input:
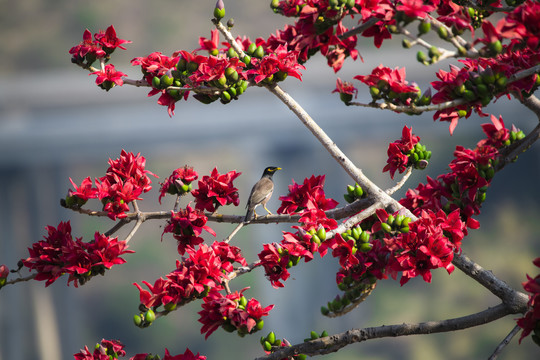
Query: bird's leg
[(269, 212)]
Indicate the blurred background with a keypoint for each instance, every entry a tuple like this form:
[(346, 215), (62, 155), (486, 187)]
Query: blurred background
[(55, 123)]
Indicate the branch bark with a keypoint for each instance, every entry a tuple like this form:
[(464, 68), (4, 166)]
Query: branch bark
[(335, 342)]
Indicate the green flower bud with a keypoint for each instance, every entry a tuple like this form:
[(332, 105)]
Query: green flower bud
[(301, 357), (386, 228), (324, 310), (259, 325), (424, 27), (251, 48), (267, 346), (406, 44), (348, 198), (170, 306), (156, 82), (358, 191), (443, 33), (166, 80), (315, 239), (271, 337), (149, 316), (356, 232), (375, 92), (404, 229), (495, 47), (350, 189), (421, 57), (314, 335), (232, 53), (281, 75), (181, 65), (225, 97), (219, 10), (366, 247), (364, 237), (137, 319), (321, 233), (192, 66), (259, 52), (247, 60)]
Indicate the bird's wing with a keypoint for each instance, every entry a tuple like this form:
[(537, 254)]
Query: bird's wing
[(261, 190)]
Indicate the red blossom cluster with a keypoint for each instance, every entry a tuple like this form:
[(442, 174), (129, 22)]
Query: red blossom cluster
[(60, 254), (531, 321), (464, 188), (187, 225), (308, 200), (399, 151), (204, 269), (233, 312), (125, 180), (429, 244), (179, 182), (114, 349), (216, 190), (101, 47), (102, 351)]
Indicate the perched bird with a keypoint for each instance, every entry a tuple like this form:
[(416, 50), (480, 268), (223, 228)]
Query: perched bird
[(261, 192)]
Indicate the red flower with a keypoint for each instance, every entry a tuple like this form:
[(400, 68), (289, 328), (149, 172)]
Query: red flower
[(311, 191), (210, 45), (216, 190), (275, 264), (106, 350), (59, 254), (187, 225), (346, 90), (346, 251), (421, 250), (109, 41), (496, 133), (393, 79), (531, 320), (108, 77), (415, 8), (228, 311), (398, 152), (179, 182), (87, 47), (192, 279)]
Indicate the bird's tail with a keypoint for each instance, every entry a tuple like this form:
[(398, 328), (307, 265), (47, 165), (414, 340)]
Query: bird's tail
[(249, 214)]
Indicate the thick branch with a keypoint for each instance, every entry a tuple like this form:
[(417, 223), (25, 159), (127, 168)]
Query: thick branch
[(335, 342), (356, 174), (514, 300)]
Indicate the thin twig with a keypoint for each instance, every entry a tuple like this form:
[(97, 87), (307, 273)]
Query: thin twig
[(401, 182), (17, 280), (505, 342), (236, 229)]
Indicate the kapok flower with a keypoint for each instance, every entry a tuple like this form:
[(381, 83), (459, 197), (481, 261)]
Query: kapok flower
[(60, 254), (233, 312), (531, 321), (179, 182), (187, 225), (106, 350), (216, 190), (346, 90), (108, 77), (398, 152), (109, 41)]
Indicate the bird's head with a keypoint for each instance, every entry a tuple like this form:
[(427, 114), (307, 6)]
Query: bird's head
[(271, 170)]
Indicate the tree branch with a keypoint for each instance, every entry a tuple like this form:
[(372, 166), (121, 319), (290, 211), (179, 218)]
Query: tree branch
[(515, 301), (335, 342), (354, 172)]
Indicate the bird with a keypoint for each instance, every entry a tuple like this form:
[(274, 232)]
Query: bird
[(261, 192)]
